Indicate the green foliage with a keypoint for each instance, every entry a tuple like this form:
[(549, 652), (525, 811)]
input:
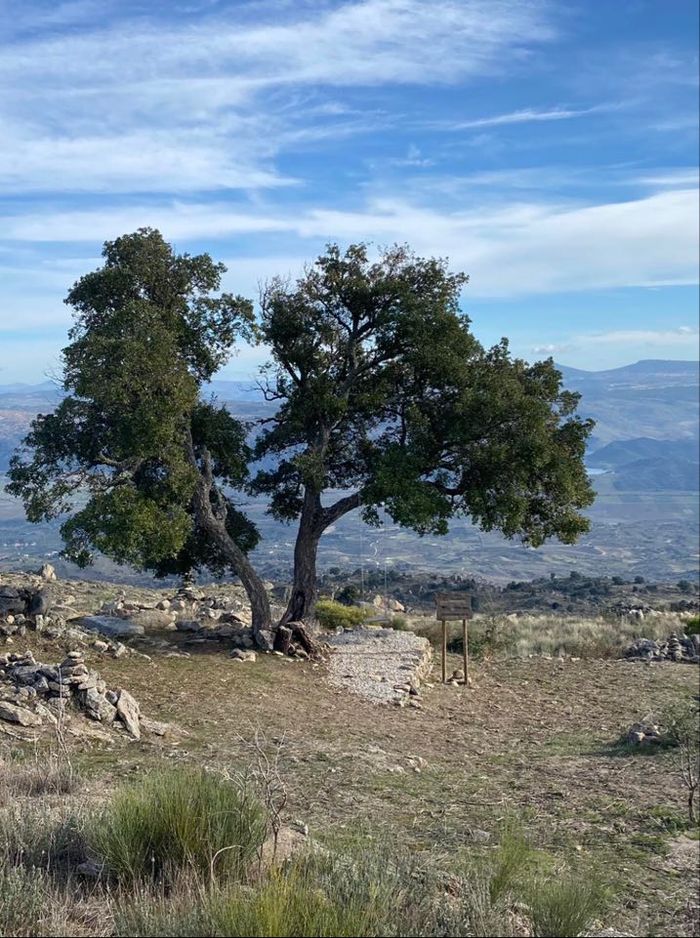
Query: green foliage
[(509, 864), (382, 388), (22, 897), (566, 906), (332, 614), (692, 626), (400, 623), (123, 452), (179, 819)]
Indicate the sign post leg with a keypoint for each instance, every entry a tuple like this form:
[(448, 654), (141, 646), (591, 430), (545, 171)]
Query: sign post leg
[(444, 651), (465, 645)]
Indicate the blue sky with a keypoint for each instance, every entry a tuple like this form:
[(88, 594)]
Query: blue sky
[(548, 149)]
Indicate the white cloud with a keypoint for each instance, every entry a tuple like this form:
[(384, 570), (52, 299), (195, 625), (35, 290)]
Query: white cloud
[(525, 116), (509, 249), (203, 102), (684, 337)]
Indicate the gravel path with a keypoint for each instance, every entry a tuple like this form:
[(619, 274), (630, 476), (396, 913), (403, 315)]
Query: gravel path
[(382, 665)]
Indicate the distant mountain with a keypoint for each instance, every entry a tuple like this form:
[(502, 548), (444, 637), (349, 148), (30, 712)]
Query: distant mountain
[(622, 452), (646, 415), (652, 399)]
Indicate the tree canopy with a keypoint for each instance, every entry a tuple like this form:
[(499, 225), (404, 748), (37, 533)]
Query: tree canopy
[(383, 397)]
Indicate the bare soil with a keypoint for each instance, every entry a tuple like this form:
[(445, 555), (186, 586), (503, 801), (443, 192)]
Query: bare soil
[(532, 741)]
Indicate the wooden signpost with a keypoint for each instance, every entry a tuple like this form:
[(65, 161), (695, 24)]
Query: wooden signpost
[(451, 606)]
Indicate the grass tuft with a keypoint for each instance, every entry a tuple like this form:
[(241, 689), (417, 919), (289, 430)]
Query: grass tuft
[(179, 819)]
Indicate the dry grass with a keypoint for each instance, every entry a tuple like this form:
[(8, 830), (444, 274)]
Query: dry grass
[(523, 635), (40, 773), (532, 739)]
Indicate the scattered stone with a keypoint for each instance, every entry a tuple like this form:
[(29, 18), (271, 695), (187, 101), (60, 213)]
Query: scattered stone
[(382, 665), (128, 713), (25, 683), (644, 734), (15, 714), (238, 654), (111, 625), (48, 573), (681, 648)]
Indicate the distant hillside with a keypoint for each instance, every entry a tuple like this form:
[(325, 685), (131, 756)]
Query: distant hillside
[(646, 418), (651, 399)]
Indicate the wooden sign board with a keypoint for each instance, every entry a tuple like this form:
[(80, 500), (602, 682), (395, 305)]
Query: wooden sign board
[(453, 606)]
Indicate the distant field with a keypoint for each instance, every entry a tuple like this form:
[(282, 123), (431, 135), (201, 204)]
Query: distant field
[(652, 535)]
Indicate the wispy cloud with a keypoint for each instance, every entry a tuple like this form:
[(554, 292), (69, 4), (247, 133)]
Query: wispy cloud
[(684, 337), (511, 249), (524, 116), (201, 102)]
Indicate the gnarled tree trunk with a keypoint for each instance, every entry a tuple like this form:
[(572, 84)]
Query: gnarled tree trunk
[(303, 598), (313, 522), (214, 523)]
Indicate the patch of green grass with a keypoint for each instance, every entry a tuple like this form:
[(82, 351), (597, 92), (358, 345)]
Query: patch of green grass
[(183, 818), (565, 907)]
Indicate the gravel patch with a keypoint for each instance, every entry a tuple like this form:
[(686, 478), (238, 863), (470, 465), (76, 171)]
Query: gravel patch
[(382, 665)]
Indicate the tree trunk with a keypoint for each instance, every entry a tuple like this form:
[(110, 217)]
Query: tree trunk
[(215, 527), (313, 522), (303, 598)]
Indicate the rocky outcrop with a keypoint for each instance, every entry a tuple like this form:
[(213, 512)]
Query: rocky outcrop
[(681, 648), (35, 694)]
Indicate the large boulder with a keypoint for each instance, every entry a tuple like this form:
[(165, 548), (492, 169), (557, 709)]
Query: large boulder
[(12, 601), (14, 714), (128, 712), (111, 625), (152, 618), (39, 602)]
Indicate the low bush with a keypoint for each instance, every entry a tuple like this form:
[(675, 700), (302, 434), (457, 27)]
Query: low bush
[(22, 896), (332, 614), (564, 907), (692, 626), (179, 819)]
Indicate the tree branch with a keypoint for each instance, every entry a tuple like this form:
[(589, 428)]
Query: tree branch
[(335, 511)]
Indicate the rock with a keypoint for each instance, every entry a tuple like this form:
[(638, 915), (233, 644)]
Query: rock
[(111, 625), (265, 639), (188, 625), (153, 726), (152, 618), (91, 868), (99, 645), (128, 713), (97, 706), (47, 572), (276, 851), (40, 602), (238, 654), (11, 601), (457, 675), (14, 714)]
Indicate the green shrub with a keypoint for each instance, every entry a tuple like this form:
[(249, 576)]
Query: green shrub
[(400, 623), (21, 901), (332, 614), (692, 626), (179, 819), (564, 907), (314, 895)]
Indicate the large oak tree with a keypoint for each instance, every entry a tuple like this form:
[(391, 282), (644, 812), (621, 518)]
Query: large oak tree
[(383, 397)]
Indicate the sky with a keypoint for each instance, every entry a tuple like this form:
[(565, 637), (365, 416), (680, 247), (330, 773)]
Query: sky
[(548, 149)]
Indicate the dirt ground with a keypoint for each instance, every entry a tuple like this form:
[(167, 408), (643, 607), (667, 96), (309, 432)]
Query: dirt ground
[(532, 742)]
